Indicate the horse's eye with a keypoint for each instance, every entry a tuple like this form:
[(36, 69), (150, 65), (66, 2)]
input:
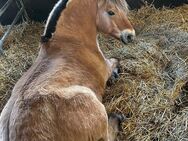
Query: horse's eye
[(111, 13)]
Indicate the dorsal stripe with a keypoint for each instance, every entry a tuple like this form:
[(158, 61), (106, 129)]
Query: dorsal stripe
[(52, 20)]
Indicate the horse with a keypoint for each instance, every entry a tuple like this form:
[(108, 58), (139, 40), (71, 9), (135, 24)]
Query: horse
[(60, 97)]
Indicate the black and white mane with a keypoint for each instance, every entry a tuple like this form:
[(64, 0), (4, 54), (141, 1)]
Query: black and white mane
[(52, 20)]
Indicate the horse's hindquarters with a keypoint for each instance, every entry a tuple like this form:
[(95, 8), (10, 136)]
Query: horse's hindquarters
[(69, 114), (84, 117)]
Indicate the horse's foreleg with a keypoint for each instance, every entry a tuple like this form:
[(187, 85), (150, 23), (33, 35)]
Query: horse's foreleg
[(113, 65)]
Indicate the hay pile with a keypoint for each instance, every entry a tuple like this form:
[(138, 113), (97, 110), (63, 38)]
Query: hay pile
[(20, 51), (151, 91)]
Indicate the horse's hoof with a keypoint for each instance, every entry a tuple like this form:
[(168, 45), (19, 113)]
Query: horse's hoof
[(117, 118), (114, 77), (115, 73), (120, 117)]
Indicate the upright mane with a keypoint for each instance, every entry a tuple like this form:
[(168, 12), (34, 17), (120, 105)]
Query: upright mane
[(52, 20)]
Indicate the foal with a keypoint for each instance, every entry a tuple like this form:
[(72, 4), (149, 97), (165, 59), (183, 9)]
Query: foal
[(59, 97)]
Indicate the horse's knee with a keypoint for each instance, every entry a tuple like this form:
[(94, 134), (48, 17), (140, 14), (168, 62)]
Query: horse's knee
[(113, 65), (113, 62), (114, 71)]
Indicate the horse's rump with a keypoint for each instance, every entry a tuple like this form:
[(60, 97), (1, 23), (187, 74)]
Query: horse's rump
[(69, 114)]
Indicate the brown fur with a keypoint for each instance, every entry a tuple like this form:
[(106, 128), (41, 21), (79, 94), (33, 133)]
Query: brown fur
[(59, 97)]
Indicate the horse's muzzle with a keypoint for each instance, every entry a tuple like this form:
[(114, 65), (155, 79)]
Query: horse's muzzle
[(127, 36)]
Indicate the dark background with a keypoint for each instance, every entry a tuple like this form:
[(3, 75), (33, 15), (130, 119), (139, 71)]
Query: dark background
[(38, 10)]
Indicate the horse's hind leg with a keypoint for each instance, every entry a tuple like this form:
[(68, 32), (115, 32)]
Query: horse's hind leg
[(114, 125)]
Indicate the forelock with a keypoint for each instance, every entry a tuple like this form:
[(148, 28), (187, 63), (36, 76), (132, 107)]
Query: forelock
[(122, 4)]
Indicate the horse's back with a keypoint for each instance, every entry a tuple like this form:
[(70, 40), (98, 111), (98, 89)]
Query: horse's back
[(66, 114)]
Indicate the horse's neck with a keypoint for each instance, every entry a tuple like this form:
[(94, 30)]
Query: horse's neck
[(78, 20)]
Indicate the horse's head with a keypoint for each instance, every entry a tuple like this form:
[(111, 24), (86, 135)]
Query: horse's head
[(112, 19)]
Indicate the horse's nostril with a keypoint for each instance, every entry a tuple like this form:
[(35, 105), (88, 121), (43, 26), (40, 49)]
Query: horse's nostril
[(127, 36), (130, 38)]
